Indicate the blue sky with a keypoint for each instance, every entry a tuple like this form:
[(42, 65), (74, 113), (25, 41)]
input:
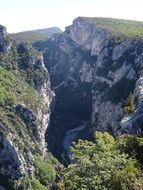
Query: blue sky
[(20, 15)]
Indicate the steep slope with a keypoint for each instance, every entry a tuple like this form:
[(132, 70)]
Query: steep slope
[(94, 66), (34, 35), (25, 97)]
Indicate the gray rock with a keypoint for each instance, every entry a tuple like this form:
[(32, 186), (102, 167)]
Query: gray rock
[(120, 49), (92, 74), (11, 165), (4, 39), (24, 137), (133, 124)]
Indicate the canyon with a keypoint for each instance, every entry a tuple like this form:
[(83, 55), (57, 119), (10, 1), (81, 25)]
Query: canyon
[(88, 78)]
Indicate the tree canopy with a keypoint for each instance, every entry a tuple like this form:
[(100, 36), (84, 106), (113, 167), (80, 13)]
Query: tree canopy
[(101, 165)]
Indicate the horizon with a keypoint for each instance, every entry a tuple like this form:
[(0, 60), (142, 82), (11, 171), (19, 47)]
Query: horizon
[(32, 30), (26, 15)]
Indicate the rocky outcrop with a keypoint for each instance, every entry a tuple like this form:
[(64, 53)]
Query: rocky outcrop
[(83, 34), (133, 123), (92, 73), (4, 39)]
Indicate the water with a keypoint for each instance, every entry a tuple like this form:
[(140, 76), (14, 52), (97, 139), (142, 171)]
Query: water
[(69, 138)]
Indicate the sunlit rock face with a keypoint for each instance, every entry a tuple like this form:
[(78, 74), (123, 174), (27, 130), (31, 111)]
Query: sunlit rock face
[(92, 74)]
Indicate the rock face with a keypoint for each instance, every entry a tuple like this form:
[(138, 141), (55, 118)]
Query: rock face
[(23, 123), (92, 74), (134, 123), (4, 39)]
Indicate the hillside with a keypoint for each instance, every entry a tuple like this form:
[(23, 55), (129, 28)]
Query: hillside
[(34, 35), (48, 31), (118, 27), (25, 97)]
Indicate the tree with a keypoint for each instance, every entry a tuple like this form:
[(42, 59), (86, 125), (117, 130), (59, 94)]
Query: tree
[(99, 166), (44, 171)]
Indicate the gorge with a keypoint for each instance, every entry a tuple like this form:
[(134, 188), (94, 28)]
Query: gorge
[(58, 90), (94, 66)]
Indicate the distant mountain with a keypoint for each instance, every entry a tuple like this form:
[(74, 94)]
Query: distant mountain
[(34, 35), (48, 31)]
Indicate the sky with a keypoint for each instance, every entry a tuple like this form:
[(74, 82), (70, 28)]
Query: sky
[(22, 15)]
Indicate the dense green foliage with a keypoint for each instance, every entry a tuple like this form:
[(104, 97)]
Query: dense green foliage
[(35, 184), (45, 170), (119, 27), (15, 89), (45, 174), (20, 73), (7, 90), (133, 146), (28, 183), (102, 165)]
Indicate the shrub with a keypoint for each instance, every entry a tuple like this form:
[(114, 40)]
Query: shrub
[(36, 185), (44, 171), (130, 105), (29, 184), (100, 165)]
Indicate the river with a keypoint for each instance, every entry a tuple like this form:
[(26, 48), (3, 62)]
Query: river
[(70, 137)]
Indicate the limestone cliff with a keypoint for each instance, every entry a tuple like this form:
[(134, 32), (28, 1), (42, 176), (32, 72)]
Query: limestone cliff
[(94, 66)]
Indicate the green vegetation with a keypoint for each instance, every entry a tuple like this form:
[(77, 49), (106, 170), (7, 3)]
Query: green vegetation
[(45, 174), (119, 27), (28, 36), (20, 74), (130, 105), (35, 185), (28, 183), (133, 146), (15, 89), (34, 35), (45, 170), (31, 66), (102, 165)]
